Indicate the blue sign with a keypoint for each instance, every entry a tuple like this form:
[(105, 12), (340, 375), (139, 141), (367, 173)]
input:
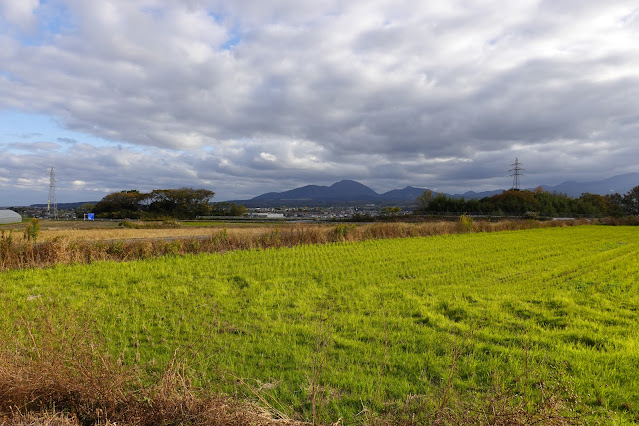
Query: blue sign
[(91, 216)]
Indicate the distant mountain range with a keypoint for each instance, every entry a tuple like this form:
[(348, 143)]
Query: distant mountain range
[(620, 184), (347, 192)]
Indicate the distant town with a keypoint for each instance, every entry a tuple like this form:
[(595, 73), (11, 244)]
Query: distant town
[(267, 213)]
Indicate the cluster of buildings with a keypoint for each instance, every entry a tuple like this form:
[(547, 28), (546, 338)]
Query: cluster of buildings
[(39, 212), (309, 213), (16, 214), (318, 213)]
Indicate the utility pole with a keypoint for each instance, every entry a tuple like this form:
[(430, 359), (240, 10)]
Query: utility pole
[(516, 173), (52, 204)]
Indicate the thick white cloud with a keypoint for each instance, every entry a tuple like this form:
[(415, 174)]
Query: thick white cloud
[(20, 13), (440, 94)]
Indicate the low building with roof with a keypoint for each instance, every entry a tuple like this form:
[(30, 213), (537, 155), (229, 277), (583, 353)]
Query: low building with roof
[(9, 216)]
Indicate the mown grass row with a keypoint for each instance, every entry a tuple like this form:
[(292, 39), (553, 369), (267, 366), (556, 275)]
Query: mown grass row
[(535, 326), (19, 252)]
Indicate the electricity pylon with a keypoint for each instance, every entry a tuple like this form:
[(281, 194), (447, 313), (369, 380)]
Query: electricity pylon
[(52, 204), (516, 173)]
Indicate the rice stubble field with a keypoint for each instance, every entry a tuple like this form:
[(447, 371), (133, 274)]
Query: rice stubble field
[(405, 330)]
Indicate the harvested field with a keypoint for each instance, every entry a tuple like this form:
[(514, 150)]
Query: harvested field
[(533, 326)]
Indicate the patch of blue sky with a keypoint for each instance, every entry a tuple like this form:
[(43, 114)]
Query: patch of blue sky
[(155, 12), (232, 41), (218, 17), (16, 126), (52, 19), (32, 39), (5, 26), (234, 33), (7, 74)]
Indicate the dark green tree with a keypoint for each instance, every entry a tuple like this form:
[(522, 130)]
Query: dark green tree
[(227, 209), (615, 204), (121, 205), (530, 203), (84, 208), (423, 201), (391, 210), (182, 203), (631, 201)]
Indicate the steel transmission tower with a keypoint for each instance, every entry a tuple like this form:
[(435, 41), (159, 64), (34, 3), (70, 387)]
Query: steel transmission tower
[(516, 173), (52, 204)]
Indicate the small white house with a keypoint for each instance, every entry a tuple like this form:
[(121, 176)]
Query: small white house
[(9, 216)]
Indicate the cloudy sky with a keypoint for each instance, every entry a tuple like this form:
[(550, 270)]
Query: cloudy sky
[(244, 97)]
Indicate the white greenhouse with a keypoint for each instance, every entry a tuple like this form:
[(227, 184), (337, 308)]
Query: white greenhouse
[(9, 216)]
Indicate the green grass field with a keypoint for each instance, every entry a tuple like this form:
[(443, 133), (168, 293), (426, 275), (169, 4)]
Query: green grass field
[(385, 326)]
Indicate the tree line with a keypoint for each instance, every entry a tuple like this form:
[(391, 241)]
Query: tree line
[(536, 203), (182, 203)]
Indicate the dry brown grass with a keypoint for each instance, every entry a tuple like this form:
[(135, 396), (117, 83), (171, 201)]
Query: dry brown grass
[(61, 374), (126, 233), (86, 246), (122, 233)]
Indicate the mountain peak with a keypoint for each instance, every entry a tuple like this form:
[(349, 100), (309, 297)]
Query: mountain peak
[(347, 183), (351, 188), (344, 190)]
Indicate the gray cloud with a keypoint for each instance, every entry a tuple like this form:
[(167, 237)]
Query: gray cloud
[(32, 146), (31, 135), (69, 141), (246, 97)]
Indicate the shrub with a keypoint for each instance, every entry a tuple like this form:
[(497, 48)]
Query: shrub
[(465, 223), (342, 230), (32, 231)]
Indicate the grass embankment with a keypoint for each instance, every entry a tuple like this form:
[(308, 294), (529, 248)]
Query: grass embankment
[(48, 247), (501, 328)]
